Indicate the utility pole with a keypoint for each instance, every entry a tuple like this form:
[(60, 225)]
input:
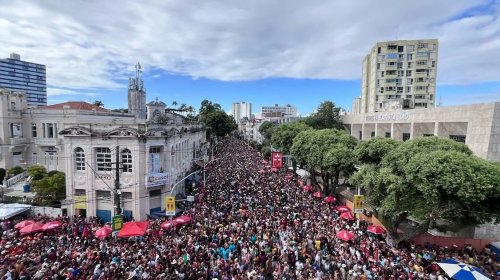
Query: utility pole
[(117, 182)]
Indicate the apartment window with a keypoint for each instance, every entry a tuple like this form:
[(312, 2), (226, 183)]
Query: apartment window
[(410, 64), (382, 74), (372, 134), (409, 56), (422, 45), (421, 71), (392, 55), (378, 66), (433, 47), (34, 158), (126, 160), (391, 63), (410, 48), (400, 90), (433, 63), (400, 65), (13, 105), (154, 159), (409, 81), (401, 56), (399, 82), (392, 47), (408, 73), (79, 159), (381, 57), (401, 48), (408, 89), (103, 159), (33, 130), (406, 136), (422, 62), (379, 49), (387, 135), (401, 73), (422, 54)]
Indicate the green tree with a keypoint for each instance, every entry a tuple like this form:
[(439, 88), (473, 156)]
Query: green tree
[(37, 171), (3, 172), (428, 178), (266, 129), (215, 119), (327, 153), (326, 116), (13, 171), (50, 188), (373, 150), (283, 136)]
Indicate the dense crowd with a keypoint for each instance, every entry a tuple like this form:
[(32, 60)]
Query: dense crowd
[(246, 224)]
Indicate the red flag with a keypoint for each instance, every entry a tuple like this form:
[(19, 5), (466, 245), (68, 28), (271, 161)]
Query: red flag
[(277, 158)]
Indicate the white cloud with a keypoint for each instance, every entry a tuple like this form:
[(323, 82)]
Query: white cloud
[(53, 91), (94, 44)]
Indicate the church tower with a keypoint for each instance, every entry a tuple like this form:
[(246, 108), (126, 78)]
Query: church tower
[(137, 95)]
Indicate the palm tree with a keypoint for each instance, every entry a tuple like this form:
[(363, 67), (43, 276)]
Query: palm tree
[(174, 103), (98, 103)]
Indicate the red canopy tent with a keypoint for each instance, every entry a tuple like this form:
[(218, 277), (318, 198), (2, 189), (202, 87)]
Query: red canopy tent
[(330, 199), (32, 228), (375, 229), (345, 235), (103, 232), (343, 209), (52, 225), (318, 195), (24, 223), (288, 177), (347, 216), (308, 188), (131, 229)]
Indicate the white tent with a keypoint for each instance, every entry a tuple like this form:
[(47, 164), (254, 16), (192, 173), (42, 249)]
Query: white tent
[(10, 210)]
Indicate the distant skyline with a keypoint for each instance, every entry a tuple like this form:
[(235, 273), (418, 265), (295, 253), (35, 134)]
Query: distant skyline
[(284, 52)]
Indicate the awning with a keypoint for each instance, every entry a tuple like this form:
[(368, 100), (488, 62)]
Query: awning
[(10, 210)]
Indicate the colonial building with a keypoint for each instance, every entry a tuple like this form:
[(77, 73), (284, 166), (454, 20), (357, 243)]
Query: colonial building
[(154, 148)]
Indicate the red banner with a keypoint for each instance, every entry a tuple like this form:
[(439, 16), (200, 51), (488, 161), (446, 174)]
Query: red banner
[(277, 158)]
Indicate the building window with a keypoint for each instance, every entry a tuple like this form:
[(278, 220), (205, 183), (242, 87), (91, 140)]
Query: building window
[(126, 160), (13, 106), (458, 138), (49, 130), (422, 54), (433, 63), (422, 62), (409, 56), (428, 135), (16, 130), (154, 159), (406, 136), (103, 195), (410, 48), (373, 134), (387, 135), (103, 159), (392, 55), (33, 130), (401, 48), (422, 45), (34, 158), (79, 159), (410, 64)]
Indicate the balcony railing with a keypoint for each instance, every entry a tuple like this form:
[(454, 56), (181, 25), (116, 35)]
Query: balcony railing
[(18, 140), (46, 141)]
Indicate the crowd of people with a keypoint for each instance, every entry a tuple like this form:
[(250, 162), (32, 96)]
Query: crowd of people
[(246, 224)]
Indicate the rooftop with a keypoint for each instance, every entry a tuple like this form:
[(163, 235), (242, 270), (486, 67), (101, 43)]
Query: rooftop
[(75, 105)]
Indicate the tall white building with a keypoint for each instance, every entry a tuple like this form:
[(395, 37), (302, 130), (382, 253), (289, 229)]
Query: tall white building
[(287, 110), (241, 110), (399, 75)]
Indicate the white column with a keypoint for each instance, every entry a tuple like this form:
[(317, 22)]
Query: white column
[(392, 130), (436, 128), (411, 130)]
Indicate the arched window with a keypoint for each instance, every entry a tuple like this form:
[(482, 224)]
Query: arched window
[(126, 160), (79, 159)]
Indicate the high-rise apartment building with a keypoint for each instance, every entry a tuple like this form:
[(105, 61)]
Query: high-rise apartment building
[(241, 110), (399, 74), (287, 110), (29, 77)]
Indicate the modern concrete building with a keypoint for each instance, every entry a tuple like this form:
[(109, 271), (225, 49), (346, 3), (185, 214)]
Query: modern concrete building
[(476, 125), (287, 110), (84, 140), (399, 74), (241, 110), (29, 77)]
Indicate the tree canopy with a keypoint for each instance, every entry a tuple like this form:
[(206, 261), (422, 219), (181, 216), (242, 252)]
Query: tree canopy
[(326, 116), (430, 179), (51, 187), (283, 135), (215, 119), (266, 129)]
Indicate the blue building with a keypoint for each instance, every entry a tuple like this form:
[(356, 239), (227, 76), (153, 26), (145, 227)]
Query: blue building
[(18, 75)]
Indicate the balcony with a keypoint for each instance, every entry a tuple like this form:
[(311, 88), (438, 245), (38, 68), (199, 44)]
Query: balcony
[(421, 74), (19, 141), (46, 141), (387, 91)]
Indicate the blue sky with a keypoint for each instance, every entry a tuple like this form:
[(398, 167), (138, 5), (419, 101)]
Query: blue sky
[(263, 52)]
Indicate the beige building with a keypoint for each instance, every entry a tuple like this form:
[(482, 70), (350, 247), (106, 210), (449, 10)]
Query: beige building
[(476, 125), (398, 74)]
